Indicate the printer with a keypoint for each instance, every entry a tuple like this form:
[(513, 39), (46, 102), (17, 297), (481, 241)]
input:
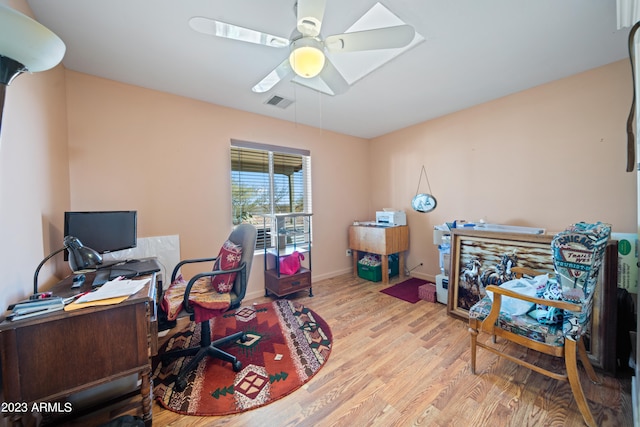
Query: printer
[(390, 218)]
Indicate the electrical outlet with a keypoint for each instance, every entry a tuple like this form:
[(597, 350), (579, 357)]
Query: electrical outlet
[(348, 252)]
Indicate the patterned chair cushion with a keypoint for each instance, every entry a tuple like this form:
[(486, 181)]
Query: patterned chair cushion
[(206, 302), (228, 259), (523, 325), (576, 324)]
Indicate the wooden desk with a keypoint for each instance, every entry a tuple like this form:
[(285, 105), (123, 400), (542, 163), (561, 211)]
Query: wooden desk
[(383, 241), (46, 358)]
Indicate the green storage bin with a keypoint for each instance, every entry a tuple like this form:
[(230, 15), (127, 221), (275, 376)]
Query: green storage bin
[(374, 273)]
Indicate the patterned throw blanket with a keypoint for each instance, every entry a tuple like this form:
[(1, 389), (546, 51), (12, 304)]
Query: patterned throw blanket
[(205, 300)]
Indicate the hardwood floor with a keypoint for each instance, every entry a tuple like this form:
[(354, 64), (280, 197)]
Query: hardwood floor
[(399, 364)]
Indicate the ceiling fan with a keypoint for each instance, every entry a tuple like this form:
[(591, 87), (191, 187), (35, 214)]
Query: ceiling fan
[(307, 48)]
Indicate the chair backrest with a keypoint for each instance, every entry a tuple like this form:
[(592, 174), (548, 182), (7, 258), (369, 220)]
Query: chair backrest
[(244, 235), (578, 253)]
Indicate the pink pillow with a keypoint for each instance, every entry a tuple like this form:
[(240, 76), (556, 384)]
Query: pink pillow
[(228, 259)]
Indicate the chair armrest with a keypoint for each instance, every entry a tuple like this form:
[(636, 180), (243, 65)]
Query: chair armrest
[(188, 261), (564, 305), (241, 269), (489, 323)]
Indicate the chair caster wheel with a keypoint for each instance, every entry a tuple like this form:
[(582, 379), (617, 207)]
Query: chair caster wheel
[(237, 366), (181, 384), (243, 338)]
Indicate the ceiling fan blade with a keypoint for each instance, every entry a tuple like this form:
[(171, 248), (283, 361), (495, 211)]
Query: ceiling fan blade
[(281, 72), (333, 79), (222, 29), (379, 38), (310, 14)]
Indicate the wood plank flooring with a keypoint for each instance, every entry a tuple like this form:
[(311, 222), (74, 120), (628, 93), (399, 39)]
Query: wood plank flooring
[(399, 364)]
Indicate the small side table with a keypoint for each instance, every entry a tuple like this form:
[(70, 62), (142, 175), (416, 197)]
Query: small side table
[(383, 241)]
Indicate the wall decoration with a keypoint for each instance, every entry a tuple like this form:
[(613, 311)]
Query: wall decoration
[(423, 202), (482, 258)]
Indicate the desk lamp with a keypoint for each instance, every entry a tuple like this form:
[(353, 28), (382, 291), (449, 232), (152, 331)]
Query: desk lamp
[(25, 46), (80, 257)]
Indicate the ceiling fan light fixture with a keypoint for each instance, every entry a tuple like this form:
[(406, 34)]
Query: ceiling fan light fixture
[(307, 58)]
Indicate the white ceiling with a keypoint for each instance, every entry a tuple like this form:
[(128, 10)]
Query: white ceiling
[(474, 51)]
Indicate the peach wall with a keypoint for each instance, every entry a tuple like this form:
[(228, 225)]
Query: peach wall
[(168, 158), (545, 157), (34, 180), (499, 161)]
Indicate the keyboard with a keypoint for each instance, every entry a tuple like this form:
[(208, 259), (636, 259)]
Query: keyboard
[(128, 270), (102, 277), (136, 268)]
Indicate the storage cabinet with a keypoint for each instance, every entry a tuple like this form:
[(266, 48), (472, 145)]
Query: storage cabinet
[(284, 235), (380, 240)]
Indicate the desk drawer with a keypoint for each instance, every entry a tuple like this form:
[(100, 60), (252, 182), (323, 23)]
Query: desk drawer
[(72, 353)]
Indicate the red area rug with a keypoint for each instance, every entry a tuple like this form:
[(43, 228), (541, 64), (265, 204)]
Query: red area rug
[(287, 345), (406, 291)]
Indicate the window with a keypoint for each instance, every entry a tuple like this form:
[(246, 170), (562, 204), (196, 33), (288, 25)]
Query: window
[(267, 179)]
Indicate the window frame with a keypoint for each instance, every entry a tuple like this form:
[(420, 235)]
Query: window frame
[(271, 151)]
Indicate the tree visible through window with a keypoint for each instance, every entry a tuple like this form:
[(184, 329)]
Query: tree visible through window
[(267, 179)]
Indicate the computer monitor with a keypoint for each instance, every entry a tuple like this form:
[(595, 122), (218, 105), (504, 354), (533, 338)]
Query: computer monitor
[(103, 231)]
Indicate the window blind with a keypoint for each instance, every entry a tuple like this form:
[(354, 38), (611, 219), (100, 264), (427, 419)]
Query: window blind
[(266, 179)]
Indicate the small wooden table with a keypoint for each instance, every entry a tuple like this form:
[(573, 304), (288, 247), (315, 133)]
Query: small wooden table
[(383, 241), (46, 358)]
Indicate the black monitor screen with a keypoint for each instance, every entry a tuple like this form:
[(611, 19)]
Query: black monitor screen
[(105, 231)]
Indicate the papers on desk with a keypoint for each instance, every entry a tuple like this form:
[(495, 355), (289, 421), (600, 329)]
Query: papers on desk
[(113, 289), (112, 292), (32, 308)]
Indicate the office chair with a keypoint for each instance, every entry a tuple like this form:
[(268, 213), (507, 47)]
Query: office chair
[(210, 294), (559, 313)]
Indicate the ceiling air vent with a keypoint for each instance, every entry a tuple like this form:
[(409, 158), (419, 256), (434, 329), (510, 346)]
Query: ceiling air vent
[(278, 101)]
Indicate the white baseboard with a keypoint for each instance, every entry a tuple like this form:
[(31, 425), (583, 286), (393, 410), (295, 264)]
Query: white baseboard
[(330, 275), (253, 295), (259, 293), (428, 277)]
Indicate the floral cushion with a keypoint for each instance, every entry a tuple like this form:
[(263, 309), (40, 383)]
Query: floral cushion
[(228, 259)]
